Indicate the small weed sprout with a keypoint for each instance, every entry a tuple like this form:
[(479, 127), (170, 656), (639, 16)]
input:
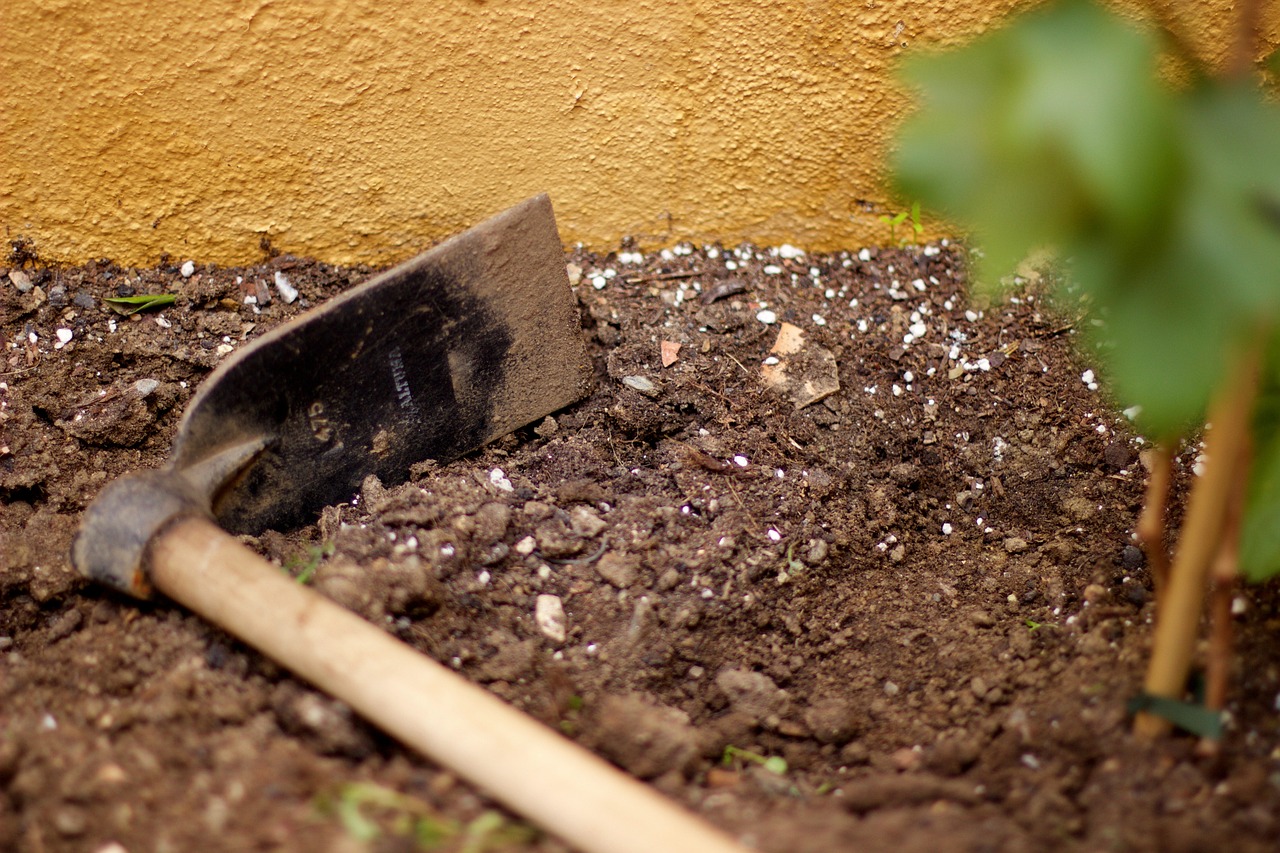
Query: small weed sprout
[(304, 568), (775, 764)]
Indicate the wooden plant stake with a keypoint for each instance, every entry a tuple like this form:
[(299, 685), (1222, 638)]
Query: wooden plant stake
[(1151, 524), (1178, 614)]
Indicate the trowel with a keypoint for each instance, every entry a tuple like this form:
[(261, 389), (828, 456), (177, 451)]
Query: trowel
[(428, 361)]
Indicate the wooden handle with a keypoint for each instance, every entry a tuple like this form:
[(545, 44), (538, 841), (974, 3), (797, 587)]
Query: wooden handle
[(563, 788)]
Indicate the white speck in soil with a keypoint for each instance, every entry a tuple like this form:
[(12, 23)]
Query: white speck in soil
[(188, 269), (767, 317)]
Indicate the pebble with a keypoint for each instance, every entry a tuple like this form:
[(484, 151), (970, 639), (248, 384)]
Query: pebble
[(832, 720), (188, 269), (982, 619), (70, 821), (20, 280), (1015, 545), (585, 522), (1131, 557), (65, 625), (287, 291), (767, 317), (64, 338), (549, 615), (647, 740), (642, 384), (752, 694), (621, 570)]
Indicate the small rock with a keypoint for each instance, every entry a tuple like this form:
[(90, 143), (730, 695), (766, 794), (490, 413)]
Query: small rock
[(586, 522), (1117, 455), (1132, 558), (906, 759), (979, 686), (70, 821), (642, 384), (953, 755), (1079, 509), (855, 753), (753, 694), (620, 569), (832, 720), (1015, 545), (491, 520), (818, 549), (65, 625), (20, 280), (550, 617), (83, 300), (556, 541), (329, 724), (982, 619), (1095, 593), (188, 269), (645, 739), (287, 291)]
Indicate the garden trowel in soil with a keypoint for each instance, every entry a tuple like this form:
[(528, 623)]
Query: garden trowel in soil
[(430, 360)]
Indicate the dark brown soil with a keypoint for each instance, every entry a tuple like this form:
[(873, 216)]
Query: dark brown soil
[(921, 591)]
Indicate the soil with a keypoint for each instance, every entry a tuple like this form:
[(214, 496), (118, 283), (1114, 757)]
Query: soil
[(918, 588)]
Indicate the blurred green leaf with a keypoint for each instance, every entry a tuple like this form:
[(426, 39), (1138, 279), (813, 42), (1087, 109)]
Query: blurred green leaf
[(1056, 131), (1041, 133), (133, 304)]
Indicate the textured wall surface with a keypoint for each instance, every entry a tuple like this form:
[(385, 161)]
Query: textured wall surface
[(354, 130)]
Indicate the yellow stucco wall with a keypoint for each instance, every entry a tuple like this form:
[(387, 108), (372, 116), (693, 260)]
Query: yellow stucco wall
[(355, 130)]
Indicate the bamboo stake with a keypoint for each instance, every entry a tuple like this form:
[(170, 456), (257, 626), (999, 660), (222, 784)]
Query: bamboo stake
[(1178, 615), (1151, 526), (1223, 577)]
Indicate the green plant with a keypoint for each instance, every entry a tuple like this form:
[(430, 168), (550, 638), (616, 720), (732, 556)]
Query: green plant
[(896, 219), (145, 302), (1164, 202), (304, 568), (775, 764), (368, 811)]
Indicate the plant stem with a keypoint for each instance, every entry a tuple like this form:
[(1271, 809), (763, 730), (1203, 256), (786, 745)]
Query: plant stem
[(1178, 615), (1226, 569), (1150, 527)]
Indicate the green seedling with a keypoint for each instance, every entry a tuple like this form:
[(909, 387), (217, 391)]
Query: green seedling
[(775, 764), (127, 305), (1059, 131), (894, 220), (304, 568), (1033, 625), (368, 812)]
